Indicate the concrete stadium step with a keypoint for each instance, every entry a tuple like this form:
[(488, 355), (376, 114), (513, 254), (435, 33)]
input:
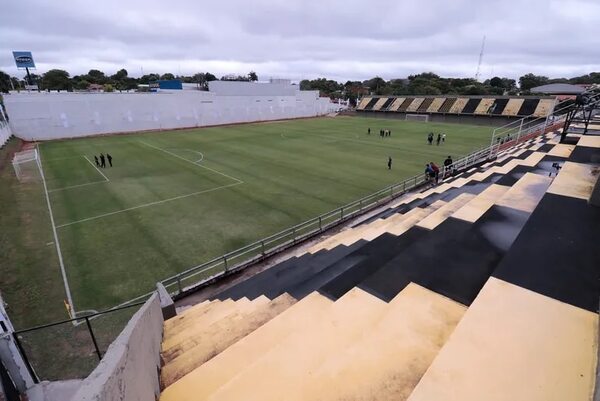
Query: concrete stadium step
[(201, 348), (515, 344), (253, 287), (477, 206), (287, 367), (552, 255), (216, 311), (182, 314), (436, 218), (382, 251), (204, 380), (457, 257), (177, 343), (374, 229), (388, 361), (178, 323), (278, 280)]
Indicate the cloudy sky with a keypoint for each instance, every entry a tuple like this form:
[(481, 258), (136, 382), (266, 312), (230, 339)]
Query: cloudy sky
[(296, 39)]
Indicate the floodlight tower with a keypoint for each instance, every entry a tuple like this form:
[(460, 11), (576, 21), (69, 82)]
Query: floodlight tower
[(480, 59)]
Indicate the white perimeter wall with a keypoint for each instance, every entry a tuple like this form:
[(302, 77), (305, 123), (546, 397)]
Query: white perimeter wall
[(5, 131), (44, 116)]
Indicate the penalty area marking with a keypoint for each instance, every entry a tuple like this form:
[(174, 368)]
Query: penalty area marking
[(87, 183), (191, 162), (149, 204)]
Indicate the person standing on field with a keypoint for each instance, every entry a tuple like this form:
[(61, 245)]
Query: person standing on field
[(389, 162), (369, 131), (102, 160), (96, 160), (443, 138), (439, 138), (109, 157)]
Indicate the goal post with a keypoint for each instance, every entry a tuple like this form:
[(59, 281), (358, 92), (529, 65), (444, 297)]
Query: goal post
[(27, 165), (418, 117)]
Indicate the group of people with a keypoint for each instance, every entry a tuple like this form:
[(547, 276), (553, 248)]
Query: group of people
[(102, 162), (440, 138), (432, 171), (382, 132)]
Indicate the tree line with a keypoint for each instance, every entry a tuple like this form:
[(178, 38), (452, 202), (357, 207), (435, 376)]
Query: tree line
[(428, 83), (61, 80)]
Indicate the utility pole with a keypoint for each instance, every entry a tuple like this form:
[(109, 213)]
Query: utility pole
[(480, 59)]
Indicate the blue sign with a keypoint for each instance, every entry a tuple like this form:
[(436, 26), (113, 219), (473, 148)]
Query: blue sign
[(23, 59)]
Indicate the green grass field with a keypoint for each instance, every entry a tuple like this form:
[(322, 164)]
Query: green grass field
[(173, 200)]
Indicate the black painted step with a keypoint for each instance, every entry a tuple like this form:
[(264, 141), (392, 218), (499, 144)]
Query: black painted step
[(557, 252), (455, 259), (380, 253)]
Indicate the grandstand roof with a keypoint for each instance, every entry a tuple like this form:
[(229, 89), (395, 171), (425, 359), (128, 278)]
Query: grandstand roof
[(558, 89)]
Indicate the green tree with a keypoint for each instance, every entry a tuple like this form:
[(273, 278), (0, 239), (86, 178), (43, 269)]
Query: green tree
[(5, 84), (528, 81), (56, 80), (96, 77), (146, 79), (167, 76), (252, 77), (108, 88), (81, 84)]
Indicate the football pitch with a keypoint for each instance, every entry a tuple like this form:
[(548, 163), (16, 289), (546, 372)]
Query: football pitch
[(173, 200)]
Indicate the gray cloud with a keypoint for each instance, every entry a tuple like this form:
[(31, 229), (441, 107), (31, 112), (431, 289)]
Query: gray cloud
[(305, 39)]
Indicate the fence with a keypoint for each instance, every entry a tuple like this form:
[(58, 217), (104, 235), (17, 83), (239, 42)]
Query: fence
[(71, 349)]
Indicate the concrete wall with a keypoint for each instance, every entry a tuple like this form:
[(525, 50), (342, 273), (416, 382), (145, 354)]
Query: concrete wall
[(129, 369), (44, 116)]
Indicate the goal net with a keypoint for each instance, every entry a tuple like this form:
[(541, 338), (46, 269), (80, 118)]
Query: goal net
[(418, 117), (26, 165)]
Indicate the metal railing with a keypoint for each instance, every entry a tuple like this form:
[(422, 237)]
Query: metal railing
[(80, 346)]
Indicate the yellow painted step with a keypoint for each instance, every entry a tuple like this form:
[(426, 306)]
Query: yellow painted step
[(575, 180), (202, 381), (179, 343), (215, 312), (515, 344), (174, 321), (436, 218), (477, 206), (285, 369), (400, 226), (526, 193), (224, 333), (389, 360)]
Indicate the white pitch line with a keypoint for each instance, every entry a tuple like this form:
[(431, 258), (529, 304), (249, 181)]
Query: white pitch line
[(191, 162), (98, 170), (77, 186), (149, 204), (60, 258)]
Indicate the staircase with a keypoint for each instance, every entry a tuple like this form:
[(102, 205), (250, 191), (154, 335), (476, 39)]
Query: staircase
[(482, 287)]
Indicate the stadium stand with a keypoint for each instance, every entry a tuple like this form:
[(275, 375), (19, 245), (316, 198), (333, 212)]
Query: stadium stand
[(405, 105), (481, 287), (459, 105), (387, 103), (484, 106), (415, 104), (447, 105), (528, 107), (512, 107), (396, 103), (425, 105), (436, 104), (498, 106), (363, 103), (544, 107), (474, 106), (379, 104), (471, 106)]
